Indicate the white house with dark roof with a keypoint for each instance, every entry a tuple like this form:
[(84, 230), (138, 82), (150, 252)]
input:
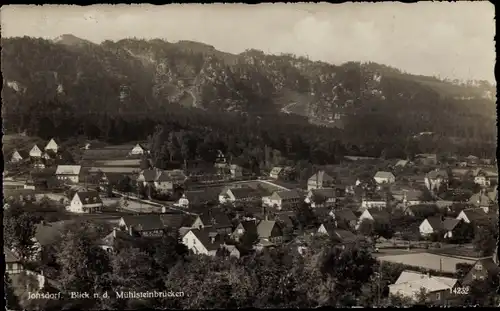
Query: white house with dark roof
[(239, 194), (382, 177), (68, 173), (85, 202), (320, 180), (269, 231), (324, 197), (35, 152), (483, 200), (17, 157), (202, 241), (437, 224), (52, 145), (12, 262), (138, 150), (475, 216), (410, 283), (275, 172), (284, 199), (436, 179)]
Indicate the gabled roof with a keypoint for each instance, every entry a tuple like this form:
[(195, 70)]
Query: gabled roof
[(437, 173), (443, 223), (276, 170), (68, 169), (89, 197), (249, 226), (410, 282), (426, 155), (401, 163), (321, 177), (286, 194), (324, 193), (345, 236), (208, 238), (51, 142), (144, 222), (22, 154), (265, 228), (173, 220), (412, 195), (115, 235), (216, 219), (245, 192), (383, 174), (480, 199), (202, 196), (475, 214), (10, 257), (345, 214), (378, 215)]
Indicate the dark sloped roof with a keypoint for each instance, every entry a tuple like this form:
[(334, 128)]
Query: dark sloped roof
[(144, 222), (446, 223), (475, 214), (249, 226), (245, 192), (201, 196), (10, 257), (89, 197), (345, 214), (345, 236), (205, 236), (288, 194), (114, 236), (380, 216), (437, 173), (172, 220)]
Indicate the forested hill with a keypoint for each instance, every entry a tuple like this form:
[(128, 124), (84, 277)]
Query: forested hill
[(132, 77)]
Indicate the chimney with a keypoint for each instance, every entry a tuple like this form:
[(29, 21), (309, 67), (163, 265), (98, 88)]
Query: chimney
[(131, 230), (114, 232), (212, 239)]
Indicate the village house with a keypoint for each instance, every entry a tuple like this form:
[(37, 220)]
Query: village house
[(320, 180), (483, 200), (138, 149), (483, 269), (436, 224), (143, 225), (230, 250), (483, 177), (419, 209), (402, 163), (324, 197), (35, 152), (108, 243), (344, 216), (269, 231), (475, 216), (198, 197), (332, 231), (472, 160), (367, 203), (436, 179), (426, 159), (375, 215), (382, 177), (69, 173), (412, 197), (202, 241), (409, 284), (244, 227), (13, 264), (218, 221), (284, 199), (85, 202), (18, 156), (236, 171), (52, 146), (239, 194), (275, 172)]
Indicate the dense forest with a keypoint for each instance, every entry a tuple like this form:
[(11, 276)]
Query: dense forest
[(121, 91)]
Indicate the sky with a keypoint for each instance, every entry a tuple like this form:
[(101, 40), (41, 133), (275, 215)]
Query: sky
[(447, 39)]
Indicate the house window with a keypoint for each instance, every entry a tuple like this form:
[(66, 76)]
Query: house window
[(438, 296)]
